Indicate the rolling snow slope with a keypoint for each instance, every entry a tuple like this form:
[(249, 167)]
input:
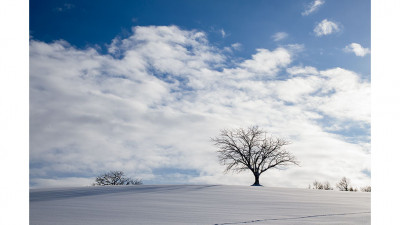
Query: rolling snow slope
[(196, 204)]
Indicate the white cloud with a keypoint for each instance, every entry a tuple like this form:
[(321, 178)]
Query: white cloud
[(312, 7), (266, 62), (155, 106), (351, 98), (326, 27), (357, 49), (334, 92), (279, 36), (297, 89)]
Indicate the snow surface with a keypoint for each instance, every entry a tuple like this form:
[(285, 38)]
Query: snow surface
[(196, 204)]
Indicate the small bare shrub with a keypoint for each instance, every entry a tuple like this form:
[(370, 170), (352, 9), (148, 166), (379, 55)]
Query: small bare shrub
[(366, 189), (115, 178), (344, 184), (321, 186), (318, 185), (327, 186)]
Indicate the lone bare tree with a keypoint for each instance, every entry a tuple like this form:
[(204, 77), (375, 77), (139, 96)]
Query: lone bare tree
[(251, 149), (115, 178)]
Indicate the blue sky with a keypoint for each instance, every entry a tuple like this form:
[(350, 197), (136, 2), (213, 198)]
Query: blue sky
[(141, 86), (84, 24)]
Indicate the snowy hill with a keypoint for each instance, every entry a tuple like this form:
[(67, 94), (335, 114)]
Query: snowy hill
[(196, 204)]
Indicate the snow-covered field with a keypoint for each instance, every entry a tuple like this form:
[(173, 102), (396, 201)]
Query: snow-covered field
[(196, 204)]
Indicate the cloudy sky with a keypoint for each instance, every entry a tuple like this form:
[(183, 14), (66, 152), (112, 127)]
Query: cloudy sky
[(142, 86)]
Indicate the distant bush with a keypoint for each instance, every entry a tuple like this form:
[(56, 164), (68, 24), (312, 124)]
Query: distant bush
[(115, 178), (327, 186), (353, 189), (320, 186), (366, 189), (344, 184)]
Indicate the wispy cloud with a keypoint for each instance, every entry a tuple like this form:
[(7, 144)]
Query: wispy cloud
[(297, 70), (357, 49), (156, 103), (223, 34), (279, 36), (326, 27), (234, 47), (312, 7), (65, 7)]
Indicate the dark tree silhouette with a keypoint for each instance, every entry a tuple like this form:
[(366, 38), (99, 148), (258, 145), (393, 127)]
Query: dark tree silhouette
[(115, 178), (251, 149)]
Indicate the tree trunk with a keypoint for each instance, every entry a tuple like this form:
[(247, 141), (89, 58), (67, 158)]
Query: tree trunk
[(257, 179)]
